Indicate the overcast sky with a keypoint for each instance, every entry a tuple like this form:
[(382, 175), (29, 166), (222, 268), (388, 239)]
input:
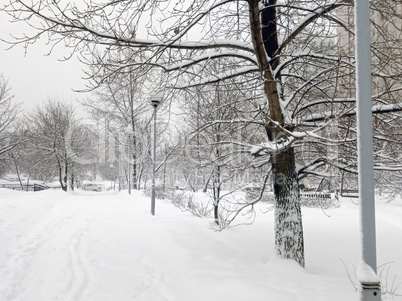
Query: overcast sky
[(35, 77)]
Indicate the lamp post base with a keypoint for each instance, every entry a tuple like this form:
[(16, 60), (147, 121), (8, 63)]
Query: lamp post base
[(370, 292)]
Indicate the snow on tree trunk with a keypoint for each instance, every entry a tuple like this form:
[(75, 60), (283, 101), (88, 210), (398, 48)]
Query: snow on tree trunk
[(288, 222), (289, 242)]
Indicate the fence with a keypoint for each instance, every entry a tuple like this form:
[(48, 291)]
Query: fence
[(25, 187), (319, 199), (316, 195)]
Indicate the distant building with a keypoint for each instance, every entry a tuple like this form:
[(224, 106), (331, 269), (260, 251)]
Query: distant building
[(386, 48)]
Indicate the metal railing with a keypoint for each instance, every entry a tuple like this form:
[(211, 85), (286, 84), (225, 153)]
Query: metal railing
[(25, 187)]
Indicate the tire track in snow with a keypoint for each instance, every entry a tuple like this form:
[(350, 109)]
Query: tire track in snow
[(79, 277)]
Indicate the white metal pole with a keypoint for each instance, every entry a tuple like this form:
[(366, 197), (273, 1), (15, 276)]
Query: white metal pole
[(119, 168), (129, 163), (153, 164), (370, 284)]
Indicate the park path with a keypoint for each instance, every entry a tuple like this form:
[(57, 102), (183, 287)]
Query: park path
[(81, 243)]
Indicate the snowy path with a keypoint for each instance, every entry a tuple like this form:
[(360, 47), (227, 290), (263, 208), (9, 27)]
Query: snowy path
[(82, 244), (106, 247), (50, 255)]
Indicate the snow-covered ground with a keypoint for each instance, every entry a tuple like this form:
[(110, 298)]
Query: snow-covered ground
[(107, 246)]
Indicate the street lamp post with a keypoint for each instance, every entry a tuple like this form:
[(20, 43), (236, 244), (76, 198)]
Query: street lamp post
[(367, 270), (155, 101), (113, 177), (129, 131), (119, 170)]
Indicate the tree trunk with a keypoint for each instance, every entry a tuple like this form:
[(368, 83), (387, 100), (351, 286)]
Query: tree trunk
[(134, 174), (217, 187), (216, 213), (140, 172), (216, 190), (62, 179), (72, 180), (289, 242), (65, 178), (134, 166), (18, 172)]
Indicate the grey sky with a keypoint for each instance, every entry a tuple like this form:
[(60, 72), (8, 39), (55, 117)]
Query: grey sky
[(34, 77)]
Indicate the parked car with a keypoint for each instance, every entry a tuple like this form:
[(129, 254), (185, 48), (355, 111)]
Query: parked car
[(92, 187)]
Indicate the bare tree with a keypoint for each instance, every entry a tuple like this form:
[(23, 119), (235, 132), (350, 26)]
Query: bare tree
[(8, 120), (55, 138), (122, 103), (217, 159)]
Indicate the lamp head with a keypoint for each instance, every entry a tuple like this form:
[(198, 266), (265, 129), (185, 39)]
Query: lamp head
[(155, 102), (156, 99)]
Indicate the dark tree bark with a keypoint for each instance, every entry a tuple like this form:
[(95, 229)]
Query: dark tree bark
[(289, 242)]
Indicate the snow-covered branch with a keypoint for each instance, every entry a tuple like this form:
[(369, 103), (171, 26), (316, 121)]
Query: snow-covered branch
[(377, 109), (209, 56), (273, 147), (220, 77)]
